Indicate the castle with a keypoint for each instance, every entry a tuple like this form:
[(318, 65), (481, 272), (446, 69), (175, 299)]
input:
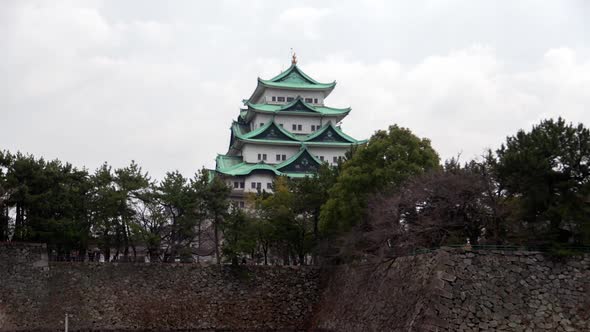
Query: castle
[(284, 129)]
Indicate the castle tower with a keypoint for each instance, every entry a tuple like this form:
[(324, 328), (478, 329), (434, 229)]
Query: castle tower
[(283, 129)]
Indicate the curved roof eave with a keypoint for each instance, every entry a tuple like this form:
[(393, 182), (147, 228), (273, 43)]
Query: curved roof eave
[(276, 82), (294, 157), (272, 108), (336, 129)]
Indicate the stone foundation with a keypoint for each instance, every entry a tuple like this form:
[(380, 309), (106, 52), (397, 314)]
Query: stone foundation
[(446, 290), (128, 296), (457, 290)]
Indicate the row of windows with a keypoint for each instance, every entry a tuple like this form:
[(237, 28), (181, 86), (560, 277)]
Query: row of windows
[(240, 203), (282, 99), (279, 157), (253, 185), (258, 185), (334, 159), (297, 127), (283, 157)]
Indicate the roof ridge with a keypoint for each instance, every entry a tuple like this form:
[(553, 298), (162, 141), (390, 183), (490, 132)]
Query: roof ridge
[(303, 149), (289, 71)]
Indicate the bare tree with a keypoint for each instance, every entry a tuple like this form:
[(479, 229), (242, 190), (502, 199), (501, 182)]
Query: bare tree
[(451, 206)]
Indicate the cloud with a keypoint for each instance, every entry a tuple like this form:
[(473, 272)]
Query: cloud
[(464, 101), (114, 81), (303, 20)]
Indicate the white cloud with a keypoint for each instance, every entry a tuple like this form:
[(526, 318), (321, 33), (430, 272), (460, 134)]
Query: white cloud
[(115, 81), (465, 101), (302, 20)]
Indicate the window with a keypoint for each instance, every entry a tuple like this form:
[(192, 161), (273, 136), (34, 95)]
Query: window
[(258, 185), (259, 156), (294, 127), (312, 127), (289, 99), (280, 98), (264, 156), (315, 100), (278, 157), (236, 184), (280, 124), (284, 157), (241, 185), (268, 185), (274, 98), (335, 159), (241, 204), (308, 100), (261, 124), (299, 127), (322, 158), (253, 185)]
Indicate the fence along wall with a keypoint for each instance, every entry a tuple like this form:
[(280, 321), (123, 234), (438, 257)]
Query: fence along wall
[(36, 295)]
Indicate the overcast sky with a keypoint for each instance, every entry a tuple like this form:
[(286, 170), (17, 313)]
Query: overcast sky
[(159, 82)]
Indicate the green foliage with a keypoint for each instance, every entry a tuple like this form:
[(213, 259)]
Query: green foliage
[(239, 235), (216, 204), (277, 212), (535, 190), (388, 159), (546, 177), (48, 200), (71, 210)]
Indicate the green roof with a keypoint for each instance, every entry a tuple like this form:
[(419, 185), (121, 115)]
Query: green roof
[(297, 106), (328, 134), (295, 78), (210, 174), (331, 133), (301, 164)]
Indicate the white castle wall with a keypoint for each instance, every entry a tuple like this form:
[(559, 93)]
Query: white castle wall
[(328, 153), (264, 179), (266, 97), (250, 152), (289, 120)]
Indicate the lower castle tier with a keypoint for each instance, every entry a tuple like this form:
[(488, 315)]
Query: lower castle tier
[(283, 130)]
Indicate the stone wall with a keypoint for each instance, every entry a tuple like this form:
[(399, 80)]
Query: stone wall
[(446, 290), (36, 295), (456, 290)]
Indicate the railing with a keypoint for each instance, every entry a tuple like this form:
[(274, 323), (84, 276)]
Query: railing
[(490, 247), (120, 259), (95, 258)]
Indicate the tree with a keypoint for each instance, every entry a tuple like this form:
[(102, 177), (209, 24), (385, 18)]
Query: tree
[(132, 185), (545, 174), (150, 226), (5, 160), (216, 205), (310, 193), (276, 211), (48, 200), (181, 205), (239, 235), (105, 207), (388, 159)]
